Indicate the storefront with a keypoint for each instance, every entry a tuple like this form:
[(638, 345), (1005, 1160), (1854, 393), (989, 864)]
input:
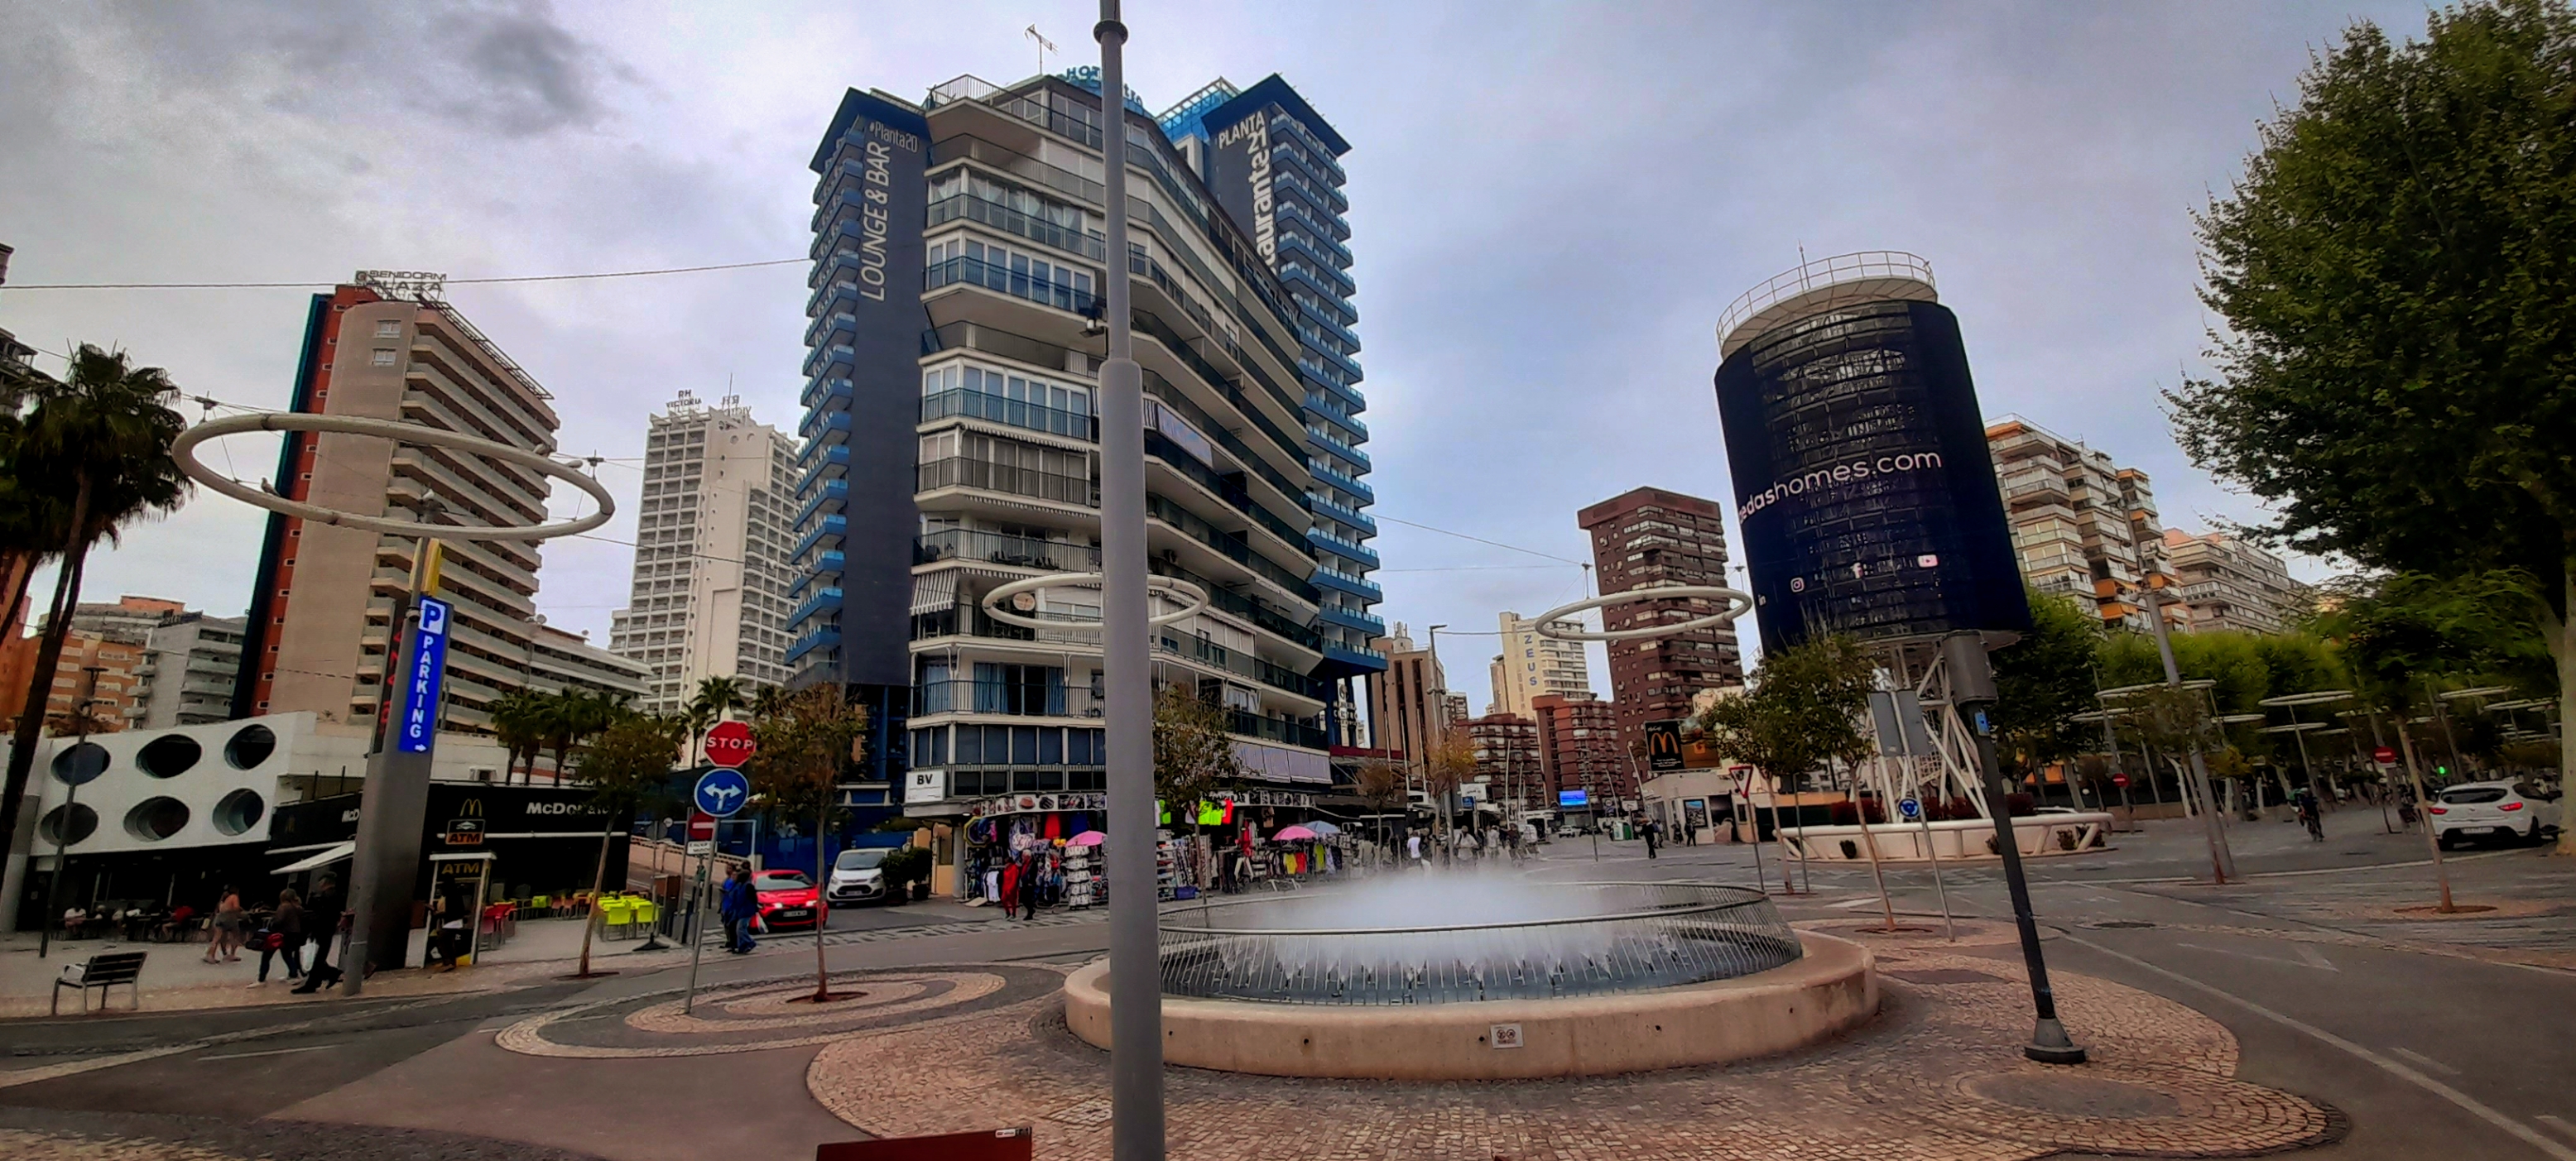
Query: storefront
[(527, 841)]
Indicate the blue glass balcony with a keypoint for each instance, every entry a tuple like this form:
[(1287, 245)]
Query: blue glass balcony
[(828, 564), (818, 391), (836, 323), (1367, 623), (1350, 516), (825, 601), (829, 498), (825, 460), (837, 355), (830, 528), (1359, 658), (842, 295), (825, 638), (1345, 483), (1354, 585), (1342, 548), (825, 426), (1337, 447)]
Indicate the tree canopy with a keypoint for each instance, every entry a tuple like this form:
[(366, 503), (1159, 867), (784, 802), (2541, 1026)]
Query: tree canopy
[(2396, 272), (1805, 705), (2044, 680)]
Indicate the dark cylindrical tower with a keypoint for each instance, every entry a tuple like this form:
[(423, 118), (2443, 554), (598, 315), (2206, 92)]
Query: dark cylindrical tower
[(1867, 500)]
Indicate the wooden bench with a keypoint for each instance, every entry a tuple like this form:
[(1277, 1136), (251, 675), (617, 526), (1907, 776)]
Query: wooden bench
[(104, 972)]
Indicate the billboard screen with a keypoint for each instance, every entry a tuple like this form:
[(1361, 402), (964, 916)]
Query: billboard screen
[(1573, 799), (1867, 500)]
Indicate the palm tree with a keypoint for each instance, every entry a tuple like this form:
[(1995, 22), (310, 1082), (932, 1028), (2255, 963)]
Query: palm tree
[(98, 443), (716, 696), (768, 702), (575, 716), (518, 723)]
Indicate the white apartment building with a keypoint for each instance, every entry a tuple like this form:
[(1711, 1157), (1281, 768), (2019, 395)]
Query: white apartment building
[(189, 665), (1532, 666), (712, 544), (2081, 524), (2225, 583)]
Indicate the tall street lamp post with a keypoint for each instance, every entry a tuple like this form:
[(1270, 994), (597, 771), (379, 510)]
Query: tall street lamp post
[(2222, 858), (1972, 691), (1135, 976)]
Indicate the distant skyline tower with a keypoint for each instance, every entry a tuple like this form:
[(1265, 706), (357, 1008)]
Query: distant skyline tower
[(709, 594), (1652, 538)]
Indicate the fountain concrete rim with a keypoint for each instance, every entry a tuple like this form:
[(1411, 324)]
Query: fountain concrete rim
[(1831, 988)]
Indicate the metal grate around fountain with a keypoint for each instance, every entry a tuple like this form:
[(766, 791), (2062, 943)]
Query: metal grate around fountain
[(1590, 939)]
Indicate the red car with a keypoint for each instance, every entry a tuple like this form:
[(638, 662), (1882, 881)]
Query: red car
[(787, 900)]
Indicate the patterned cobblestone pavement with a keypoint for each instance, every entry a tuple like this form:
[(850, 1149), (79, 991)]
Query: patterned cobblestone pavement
[(777, 1014), (1938, 1076)]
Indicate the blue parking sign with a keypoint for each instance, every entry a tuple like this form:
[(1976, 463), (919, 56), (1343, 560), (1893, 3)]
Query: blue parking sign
[(722, 791)]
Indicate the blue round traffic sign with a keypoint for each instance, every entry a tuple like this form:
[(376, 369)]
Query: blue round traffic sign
[(722, 791), (1908, 807)]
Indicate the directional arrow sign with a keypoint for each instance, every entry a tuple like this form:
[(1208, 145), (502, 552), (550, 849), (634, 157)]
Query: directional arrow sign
[(722, 791), (1909, 807)]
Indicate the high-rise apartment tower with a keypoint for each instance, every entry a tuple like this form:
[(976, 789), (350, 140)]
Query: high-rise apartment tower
[(711, 571), (321, 606), (1651, 538), (1532, 665), (951, 441)]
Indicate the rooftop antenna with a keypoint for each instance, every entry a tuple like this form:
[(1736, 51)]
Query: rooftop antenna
[(1045, 46)]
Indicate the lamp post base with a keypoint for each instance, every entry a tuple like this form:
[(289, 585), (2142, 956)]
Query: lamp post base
[(2049, 1044)]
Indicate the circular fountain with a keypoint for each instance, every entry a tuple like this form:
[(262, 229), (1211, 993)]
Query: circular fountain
[(1417, 977)]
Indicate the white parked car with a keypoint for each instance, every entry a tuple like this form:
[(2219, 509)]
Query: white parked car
[(2503, 809), (858, 875)]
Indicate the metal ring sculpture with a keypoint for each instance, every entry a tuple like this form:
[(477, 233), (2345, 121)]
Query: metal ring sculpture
[(1738, 601), (1197, 597), (183, 450)]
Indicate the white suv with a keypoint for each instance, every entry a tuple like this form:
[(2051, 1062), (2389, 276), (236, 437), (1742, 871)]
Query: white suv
[(2504, 809)]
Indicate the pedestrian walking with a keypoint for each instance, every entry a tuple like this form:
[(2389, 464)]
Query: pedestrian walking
[(285, 936), (324, 920), (738, 905), (229, 924), (1648, 830), (2308, 809)]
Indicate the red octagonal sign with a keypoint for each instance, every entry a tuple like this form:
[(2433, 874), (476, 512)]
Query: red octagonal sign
[(730, 744)]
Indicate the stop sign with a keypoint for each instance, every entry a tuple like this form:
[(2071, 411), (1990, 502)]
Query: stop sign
[(729, 744), (2385, 755)]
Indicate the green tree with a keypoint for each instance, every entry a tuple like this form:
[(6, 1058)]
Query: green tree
[(2400, 634), (1803, 707), (804, 750), (629, 762), (1193, 755), (97, 444), (2043, 681), (2394, 272)]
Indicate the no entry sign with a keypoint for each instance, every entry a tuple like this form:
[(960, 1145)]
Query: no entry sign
[(730, 744), (2385, 755), (2120, 780)]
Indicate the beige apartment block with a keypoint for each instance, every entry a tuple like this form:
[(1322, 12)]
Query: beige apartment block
[(2081, 524), (713, 540), (1410, 699), (322, 612), (1531, 666), (2225, 583)]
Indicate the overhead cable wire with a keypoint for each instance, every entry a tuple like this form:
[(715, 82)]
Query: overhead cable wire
[(1477, 539), (513, 278)]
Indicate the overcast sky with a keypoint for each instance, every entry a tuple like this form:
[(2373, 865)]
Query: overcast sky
[(1551, 205)]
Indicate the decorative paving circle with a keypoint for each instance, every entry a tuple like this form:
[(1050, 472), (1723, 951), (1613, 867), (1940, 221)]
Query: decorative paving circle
[(1938, 1075), (765, 1015)]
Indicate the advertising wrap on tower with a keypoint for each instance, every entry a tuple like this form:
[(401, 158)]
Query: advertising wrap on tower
[(1239, 171), (873, 207), (1862, 483)]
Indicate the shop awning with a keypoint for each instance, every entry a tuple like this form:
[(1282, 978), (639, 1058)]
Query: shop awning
[(321, 858)]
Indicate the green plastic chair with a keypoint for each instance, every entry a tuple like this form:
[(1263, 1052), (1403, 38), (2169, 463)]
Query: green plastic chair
[(616, 915)]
